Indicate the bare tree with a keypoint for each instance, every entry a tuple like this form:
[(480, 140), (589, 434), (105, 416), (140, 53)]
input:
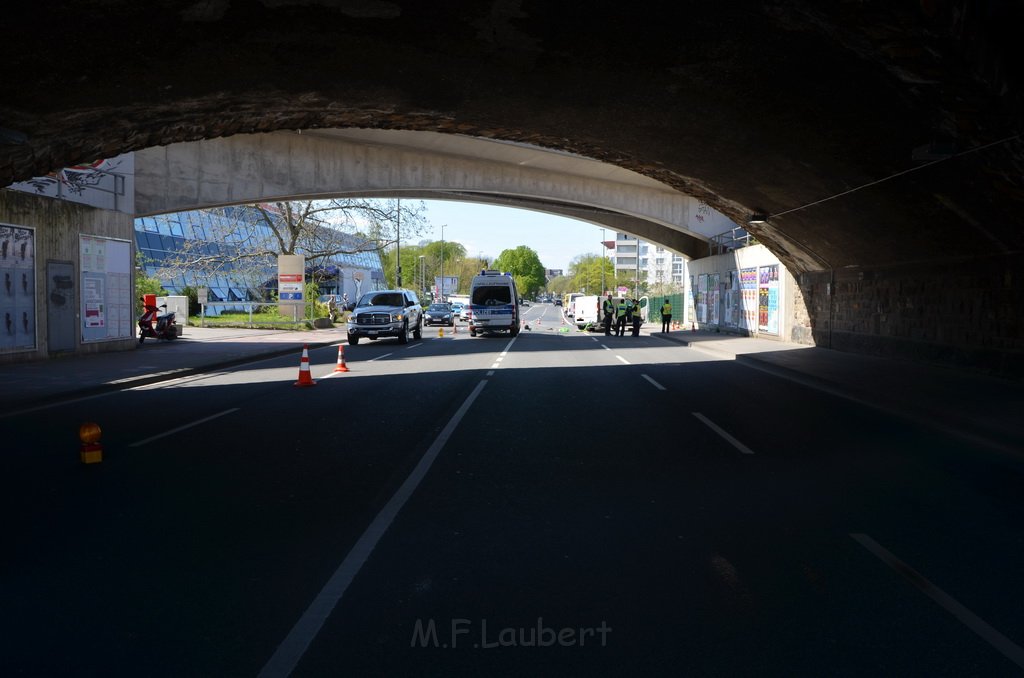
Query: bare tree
[(247, 247)]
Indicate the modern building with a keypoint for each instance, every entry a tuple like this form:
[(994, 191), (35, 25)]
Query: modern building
[(224, 233)]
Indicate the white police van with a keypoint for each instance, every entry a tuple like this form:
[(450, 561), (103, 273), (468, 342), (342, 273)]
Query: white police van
[(494, 302)]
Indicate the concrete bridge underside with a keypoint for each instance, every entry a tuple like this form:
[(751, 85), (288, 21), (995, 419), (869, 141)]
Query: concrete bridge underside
[(882, 138), (325, 163)]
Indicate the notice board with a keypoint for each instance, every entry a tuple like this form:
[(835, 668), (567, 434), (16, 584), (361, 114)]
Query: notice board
[(106, 274)]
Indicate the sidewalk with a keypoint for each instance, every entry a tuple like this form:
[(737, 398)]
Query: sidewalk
[(197, 350), (981, 409), (978, 408)]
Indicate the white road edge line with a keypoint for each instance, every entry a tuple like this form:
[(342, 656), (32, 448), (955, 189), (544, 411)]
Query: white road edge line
[(720, 431), (656, 384), (295, 644), (1006, 647), (182, 428)]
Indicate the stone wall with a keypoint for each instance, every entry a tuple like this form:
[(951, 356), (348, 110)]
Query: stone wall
[(963, 313)]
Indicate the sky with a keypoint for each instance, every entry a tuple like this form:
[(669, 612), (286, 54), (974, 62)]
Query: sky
[(489, 230)]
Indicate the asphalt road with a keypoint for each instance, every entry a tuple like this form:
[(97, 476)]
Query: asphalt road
[(557, 504)]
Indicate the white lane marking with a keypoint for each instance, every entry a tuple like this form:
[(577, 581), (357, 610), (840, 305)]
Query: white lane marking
[(182, 428), (720, 431), (594, 339), (656, 384), (295, 644), (499, 358), (622, 359), (413, 346), (1007, 647), (508, 345), (490, 373), (605, 347), (495, 366), (379, 357)]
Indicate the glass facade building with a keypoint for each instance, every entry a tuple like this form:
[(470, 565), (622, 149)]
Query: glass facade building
[(223, 232)]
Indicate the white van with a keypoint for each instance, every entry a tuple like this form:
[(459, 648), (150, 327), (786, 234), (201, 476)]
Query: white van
[(494, 302), (590, 312)]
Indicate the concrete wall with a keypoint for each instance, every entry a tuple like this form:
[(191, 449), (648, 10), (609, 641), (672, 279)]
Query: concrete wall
[(57, 225), (793, 319)]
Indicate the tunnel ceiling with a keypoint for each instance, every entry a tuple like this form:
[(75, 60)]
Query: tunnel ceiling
[(751, 106)]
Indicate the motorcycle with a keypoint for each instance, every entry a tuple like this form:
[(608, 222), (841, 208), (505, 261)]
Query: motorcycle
[(165, 326)]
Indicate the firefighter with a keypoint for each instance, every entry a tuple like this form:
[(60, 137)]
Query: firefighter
[(666, 315)]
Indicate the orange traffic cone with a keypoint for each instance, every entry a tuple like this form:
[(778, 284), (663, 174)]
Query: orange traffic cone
[(304, 378), (341, 366)]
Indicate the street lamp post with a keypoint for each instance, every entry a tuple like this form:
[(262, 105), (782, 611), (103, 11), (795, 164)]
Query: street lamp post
[(423, 276), (398, 247), (442, 263), (636, 284), (603, 288)]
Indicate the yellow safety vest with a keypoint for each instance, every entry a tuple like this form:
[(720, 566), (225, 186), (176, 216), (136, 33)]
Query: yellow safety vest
[(666, 308), (621, 311)]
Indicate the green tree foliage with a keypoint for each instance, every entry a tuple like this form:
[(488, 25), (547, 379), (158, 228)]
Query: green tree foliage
[(145, 284), (560, 285), (585, 274), (525, 267)]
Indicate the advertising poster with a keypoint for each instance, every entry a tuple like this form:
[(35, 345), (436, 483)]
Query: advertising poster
[(714, 295), (768, 300), (732, 299), (106, 288), (446, 286), (17, 288), (702, 298), (748, 299)]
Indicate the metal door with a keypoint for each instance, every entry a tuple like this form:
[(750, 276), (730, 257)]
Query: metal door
[(60, 306)]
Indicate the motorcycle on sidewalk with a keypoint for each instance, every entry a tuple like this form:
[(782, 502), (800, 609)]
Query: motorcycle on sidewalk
[(156, 326)]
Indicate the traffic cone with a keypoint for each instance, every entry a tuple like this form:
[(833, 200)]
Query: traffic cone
[(341, 366), (304, 378)]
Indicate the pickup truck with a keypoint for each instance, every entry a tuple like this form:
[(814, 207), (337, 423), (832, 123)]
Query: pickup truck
[(386, 313)]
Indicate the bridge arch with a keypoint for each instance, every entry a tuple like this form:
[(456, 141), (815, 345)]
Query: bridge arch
[(327, 163)]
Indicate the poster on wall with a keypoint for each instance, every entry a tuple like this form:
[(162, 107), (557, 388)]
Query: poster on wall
[(106, 288), (702, 298), (17, 288), (768, 300), (732, 299), (714, 296), (748, 299)]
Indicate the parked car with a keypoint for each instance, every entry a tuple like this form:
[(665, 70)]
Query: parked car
[(439, 314), (386, 313), (457, 307)]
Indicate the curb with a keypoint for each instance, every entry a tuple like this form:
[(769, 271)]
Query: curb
[(154, 378)]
